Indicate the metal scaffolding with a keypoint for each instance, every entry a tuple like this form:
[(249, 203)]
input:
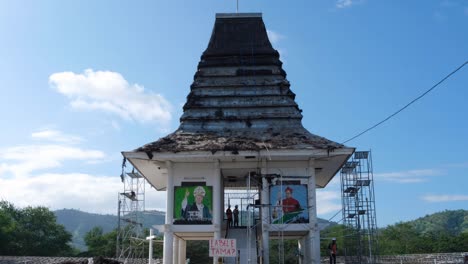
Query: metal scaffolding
[(359, 214), (131, 205)]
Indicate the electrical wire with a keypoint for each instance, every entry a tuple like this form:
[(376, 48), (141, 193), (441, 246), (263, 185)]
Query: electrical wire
[(407, 105), (335, 214)]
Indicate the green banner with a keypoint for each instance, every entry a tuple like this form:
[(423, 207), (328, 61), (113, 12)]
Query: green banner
[(193, 204)]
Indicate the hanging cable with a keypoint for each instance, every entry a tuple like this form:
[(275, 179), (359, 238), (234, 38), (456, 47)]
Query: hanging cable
[(335, 214), (407, 105)]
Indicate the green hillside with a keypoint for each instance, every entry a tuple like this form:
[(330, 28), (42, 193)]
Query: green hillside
[(442, 232), (78, 223), (451, 222)]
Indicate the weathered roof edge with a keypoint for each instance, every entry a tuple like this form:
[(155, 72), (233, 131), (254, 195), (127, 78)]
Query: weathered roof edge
[(237, 15)]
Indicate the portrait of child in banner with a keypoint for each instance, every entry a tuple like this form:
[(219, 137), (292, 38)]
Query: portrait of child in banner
[(193, 205), (289, 204)]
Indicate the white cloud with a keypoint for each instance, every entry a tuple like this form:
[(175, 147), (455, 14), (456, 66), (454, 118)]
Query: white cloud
[(344, 3), (328, 202), (109, 92), (155, 200), (445, 198), (23, 181), (411, 176), (115, 125), (56, 136), (457, 165), (96, 194), (274, 37), (23, 160)]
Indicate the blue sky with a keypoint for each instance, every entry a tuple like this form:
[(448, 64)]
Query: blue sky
[(83, 80)]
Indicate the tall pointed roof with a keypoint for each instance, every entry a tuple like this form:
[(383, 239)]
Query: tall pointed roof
[(240, 99)]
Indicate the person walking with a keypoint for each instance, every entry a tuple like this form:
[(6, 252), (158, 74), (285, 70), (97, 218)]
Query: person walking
[(229, 216), (236, 216), (332, 247)]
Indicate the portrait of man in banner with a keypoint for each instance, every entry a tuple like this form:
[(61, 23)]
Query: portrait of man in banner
[(193, 205), (289, 204)]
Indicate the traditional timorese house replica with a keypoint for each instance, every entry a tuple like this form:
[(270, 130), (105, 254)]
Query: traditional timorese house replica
[(240, 132)]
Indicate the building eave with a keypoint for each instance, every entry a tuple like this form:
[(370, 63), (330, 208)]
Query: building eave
[(155, 171)]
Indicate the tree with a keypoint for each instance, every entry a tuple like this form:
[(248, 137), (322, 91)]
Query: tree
[(7, 229), (32, 231), (100, 244), (340, 232), (197, 252), (290, 250), (401, 238)]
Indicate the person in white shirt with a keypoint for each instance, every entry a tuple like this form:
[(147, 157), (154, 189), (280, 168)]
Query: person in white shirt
[(197, 210)]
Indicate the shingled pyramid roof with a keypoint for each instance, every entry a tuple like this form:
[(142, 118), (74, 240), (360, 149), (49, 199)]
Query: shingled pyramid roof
[(240, 99)]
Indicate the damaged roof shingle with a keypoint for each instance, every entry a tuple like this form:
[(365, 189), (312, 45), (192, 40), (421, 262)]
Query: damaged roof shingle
[(240, 98)]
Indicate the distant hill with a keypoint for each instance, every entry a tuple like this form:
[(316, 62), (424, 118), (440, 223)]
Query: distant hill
[(453, 222), (78, 223)]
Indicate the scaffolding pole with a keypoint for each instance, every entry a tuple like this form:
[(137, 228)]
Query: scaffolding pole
[(131, 205), (359, 214)]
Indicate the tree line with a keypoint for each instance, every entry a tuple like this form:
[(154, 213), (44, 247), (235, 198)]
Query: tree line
[(34, 231)]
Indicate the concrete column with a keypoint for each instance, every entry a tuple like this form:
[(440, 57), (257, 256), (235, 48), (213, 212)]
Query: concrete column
[(301, 244), (217, 197), (175, 250), (168, 242), (168, 235), (218, 209), (313, 237), (182, 251), (265, 214)]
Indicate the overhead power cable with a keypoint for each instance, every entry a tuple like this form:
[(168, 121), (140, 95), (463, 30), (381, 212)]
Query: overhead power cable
[(410, 103), (335, 215)]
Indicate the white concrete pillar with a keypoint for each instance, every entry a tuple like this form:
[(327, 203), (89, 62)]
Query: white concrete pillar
[(182, 251), (168, 235), (218, 209), (150, 248), (265, 200), (301, 244), (167, 247), (175, 250), (217, 197), (313, 237)]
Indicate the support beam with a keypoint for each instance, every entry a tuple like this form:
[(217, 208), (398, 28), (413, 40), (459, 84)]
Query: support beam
[(313, 237), (168, 235), (175, 250), (182, 251), (168, 243), (265, 214), (301, 244), (218, 209)]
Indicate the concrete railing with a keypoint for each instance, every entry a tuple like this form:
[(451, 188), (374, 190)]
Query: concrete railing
[(64, 260), (439, 258)]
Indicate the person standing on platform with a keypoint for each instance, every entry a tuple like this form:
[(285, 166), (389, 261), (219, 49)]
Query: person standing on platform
[(236, 216), (332, 251), (229, 216)]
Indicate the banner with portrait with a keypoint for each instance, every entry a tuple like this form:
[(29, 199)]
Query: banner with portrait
[(193, 205), (289, 204)]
